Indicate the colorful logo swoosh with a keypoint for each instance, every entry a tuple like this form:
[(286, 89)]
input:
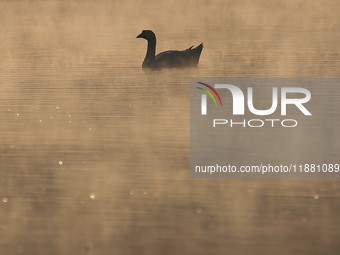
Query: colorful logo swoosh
[(213, 90)]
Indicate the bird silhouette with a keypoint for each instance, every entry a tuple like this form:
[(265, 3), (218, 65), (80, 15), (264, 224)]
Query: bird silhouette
[(170, 58)]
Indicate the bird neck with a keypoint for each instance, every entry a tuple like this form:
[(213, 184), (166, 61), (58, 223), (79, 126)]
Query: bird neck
[(150, 53)]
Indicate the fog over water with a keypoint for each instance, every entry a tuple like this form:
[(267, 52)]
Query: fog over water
[(95, 152)]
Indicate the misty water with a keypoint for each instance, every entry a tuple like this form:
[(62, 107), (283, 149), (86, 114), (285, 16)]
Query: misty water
[(95, 152)]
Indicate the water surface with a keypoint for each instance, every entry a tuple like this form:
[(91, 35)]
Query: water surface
[(95, 151)]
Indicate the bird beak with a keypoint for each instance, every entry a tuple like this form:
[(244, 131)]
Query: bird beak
[(139, 36)]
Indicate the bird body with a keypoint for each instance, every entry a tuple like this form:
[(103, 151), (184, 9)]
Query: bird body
[(170, 58)]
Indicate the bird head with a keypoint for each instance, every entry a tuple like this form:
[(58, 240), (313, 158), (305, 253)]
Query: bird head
[(147, 35)]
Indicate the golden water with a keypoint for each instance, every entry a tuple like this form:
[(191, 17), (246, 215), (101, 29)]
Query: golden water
[(94, 152)]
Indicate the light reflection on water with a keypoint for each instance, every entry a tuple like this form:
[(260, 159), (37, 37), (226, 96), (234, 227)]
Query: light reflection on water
[(95, 151)]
